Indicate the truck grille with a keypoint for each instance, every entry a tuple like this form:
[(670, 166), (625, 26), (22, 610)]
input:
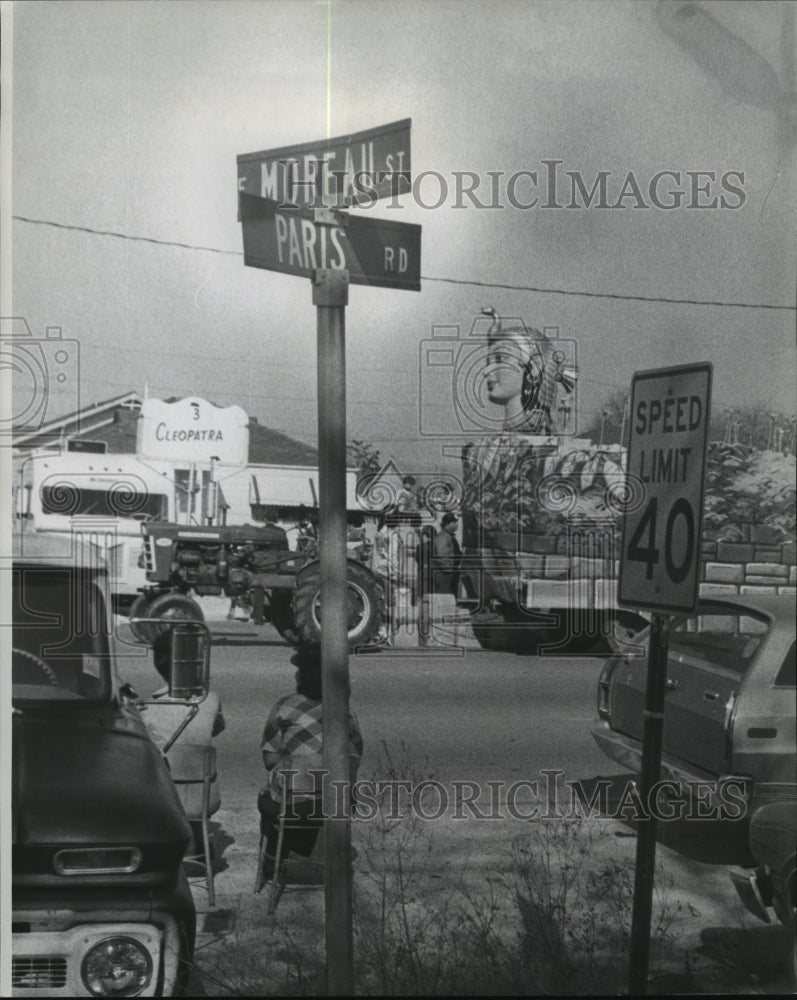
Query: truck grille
[(38, 973), (149, 554)]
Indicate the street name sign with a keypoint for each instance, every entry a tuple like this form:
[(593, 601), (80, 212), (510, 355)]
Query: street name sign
[(662, 534), (350, 169), (373, 251)]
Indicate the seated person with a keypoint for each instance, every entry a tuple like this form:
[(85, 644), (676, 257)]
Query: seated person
[(292, 747)]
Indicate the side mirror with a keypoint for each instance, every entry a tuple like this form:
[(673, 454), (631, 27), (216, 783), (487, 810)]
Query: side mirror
[(189, 673)]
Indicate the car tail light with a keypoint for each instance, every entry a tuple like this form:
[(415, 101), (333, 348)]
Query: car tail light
[(604, 688), (728, 723)]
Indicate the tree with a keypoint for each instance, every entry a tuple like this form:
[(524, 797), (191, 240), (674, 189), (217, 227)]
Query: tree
[(613, 412), (612, 409), (364, 457), (746, 486), (755, 427)]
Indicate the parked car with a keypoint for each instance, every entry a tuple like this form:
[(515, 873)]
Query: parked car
[(100, 902), (729, 720), (773, 884)]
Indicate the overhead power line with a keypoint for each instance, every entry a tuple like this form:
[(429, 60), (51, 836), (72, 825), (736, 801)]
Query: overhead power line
[(613, 295), (451, 281), (124, 236)]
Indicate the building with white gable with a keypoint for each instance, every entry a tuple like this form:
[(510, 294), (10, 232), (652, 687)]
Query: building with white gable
[(117, 463)]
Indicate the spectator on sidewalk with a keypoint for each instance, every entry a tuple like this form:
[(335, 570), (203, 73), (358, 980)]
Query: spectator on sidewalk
[(292, 747), (447, 557)]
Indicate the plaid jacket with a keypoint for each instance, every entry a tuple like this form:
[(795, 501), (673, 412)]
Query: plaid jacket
[(294, 730)]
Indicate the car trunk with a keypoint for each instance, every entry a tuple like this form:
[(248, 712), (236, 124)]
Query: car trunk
[(708, 657)]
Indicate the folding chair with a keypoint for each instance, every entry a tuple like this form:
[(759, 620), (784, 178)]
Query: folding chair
[(193, 768), (290, 870)]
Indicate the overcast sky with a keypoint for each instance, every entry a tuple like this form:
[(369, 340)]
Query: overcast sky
[(128, 117)]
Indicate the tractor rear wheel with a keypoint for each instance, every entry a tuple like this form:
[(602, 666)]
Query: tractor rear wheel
[(365, 606), (280, 614)]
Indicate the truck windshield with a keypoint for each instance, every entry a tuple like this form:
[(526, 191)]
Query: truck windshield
[(104, 503), (60, 641)]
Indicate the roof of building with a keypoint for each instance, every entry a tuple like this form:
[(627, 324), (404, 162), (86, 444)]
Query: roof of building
[(268, 447), (114, 421), (78, 423)]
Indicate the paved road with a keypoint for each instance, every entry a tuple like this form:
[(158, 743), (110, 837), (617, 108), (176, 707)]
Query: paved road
[(470, 714), (455, 715)]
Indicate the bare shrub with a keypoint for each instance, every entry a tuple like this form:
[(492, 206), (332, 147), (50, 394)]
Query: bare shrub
[(575, 906)]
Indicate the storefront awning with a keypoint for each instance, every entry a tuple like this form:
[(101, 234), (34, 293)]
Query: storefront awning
[(294, 488)]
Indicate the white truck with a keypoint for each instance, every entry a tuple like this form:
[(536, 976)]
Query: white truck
[(102, 498)]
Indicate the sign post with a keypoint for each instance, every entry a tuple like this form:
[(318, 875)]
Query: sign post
[(660, 571), (290, 226), (330, 296)]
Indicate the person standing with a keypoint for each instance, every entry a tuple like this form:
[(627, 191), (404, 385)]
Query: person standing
[(407, 499), (387, 558), (447, 557)]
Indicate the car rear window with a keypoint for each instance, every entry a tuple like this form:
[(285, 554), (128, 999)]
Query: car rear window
[(787, 675), (719, 636)]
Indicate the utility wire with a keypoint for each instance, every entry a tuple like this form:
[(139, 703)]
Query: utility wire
[(124, 236), (451, 281), (613, 295)]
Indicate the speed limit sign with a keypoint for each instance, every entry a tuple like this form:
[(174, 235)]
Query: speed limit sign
[(662, 527)]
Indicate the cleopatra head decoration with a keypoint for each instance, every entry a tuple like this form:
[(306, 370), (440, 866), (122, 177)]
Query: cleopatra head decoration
[(520, 374)]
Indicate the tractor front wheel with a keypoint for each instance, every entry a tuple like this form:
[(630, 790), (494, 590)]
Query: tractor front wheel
[(170, 606)]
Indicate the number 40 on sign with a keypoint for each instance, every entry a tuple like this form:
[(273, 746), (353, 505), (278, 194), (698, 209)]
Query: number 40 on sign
[(662, 527)]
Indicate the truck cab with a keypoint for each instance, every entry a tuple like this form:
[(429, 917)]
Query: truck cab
[(101, 906), (104, 497)]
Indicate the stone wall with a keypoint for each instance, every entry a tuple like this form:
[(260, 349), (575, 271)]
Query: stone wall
[(759, 564)]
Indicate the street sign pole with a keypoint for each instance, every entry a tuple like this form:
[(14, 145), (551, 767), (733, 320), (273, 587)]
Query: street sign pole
[(285, 229), (660, 572), (330, 296), (653, 734)]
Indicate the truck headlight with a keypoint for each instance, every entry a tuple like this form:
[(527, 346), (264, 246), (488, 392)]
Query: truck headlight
[(117, 967)]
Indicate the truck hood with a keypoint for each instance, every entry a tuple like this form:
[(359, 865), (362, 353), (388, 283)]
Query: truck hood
[(90, 783)]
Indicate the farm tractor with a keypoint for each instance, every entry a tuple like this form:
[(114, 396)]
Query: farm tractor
[(241, 560)]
